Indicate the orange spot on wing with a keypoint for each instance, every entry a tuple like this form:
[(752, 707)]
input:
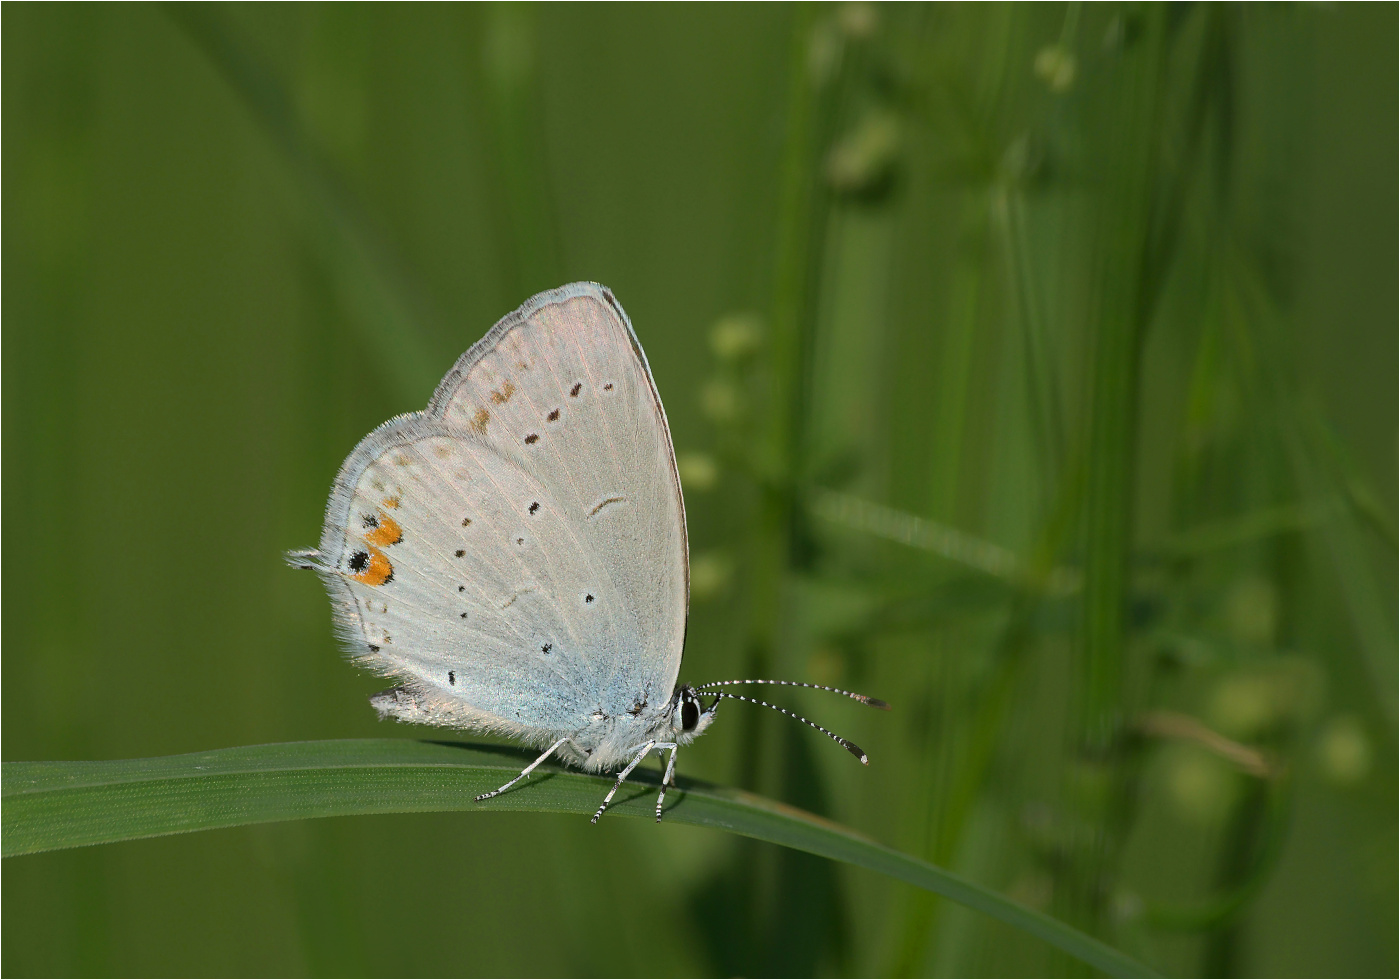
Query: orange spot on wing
[(479, 421), (386, 533), (392, 503), (503, 395), (378, 571)]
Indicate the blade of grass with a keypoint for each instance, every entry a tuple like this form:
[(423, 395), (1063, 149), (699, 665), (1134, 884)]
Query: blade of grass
[(986, 724), (1124, 306), (1248, 528), (941, 539), (53, 805)]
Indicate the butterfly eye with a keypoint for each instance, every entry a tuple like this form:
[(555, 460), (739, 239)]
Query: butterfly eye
[(690, 715)]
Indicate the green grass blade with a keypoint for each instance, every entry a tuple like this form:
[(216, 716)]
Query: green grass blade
[(53, 805)]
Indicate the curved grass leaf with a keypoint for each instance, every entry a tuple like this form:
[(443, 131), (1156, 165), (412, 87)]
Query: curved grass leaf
[(53, 805)]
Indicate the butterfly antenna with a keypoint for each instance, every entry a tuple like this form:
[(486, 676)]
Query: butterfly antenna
[(863, 699), (849, 746)]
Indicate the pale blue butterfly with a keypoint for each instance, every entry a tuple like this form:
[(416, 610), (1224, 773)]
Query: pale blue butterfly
[(516, 553)]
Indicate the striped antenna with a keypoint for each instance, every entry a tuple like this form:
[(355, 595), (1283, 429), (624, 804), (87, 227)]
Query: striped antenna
[(849, 746), (863, 699)]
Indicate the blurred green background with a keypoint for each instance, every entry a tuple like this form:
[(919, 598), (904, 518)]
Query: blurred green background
[(1032, 367)]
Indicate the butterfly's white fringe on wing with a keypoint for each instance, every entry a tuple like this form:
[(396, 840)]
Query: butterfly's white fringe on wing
[(308, 559)]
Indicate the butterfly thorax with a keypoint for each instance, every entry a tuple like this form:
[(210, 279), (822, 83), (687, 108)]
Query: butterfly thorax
[(611, 740)]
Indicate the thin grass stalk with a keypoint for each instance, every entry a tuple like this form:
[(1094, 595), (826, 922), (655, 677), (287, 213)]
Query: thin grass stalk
[(1123, 285), (988, 721)]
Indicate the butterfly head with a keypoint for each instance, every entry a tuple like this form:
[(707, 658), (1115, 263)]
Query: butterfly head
[(689, 716)]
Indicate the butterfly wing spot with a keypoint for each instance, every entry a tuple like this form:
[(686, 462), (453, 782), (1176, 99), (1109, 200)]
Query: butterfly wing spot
[(604, 503), (546, 648), (587, 599), (573, 392), (391, 502), (466, 522), (369, 521), (460, 552), (479, 421), (452, 675), (371, 568), (520, 541), (608, 386), (372, 648), (553, 416), (442, 452), (535, 506), (531, 439), (461, 588), (386, 531), (463, 615), (502, 395)]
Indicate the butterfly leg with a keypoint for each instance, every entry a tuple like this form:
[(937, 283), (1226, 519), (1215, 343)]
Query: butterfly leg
[(622, 777), (670, 776), (524, 772)]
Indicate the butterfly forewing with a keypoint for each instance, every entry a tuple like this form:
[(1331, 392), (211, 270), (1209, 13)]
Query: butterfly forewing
[(519, 547)]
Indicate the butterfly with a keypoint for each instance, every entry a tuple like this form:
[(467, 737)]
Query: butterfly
[(515, 555)]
